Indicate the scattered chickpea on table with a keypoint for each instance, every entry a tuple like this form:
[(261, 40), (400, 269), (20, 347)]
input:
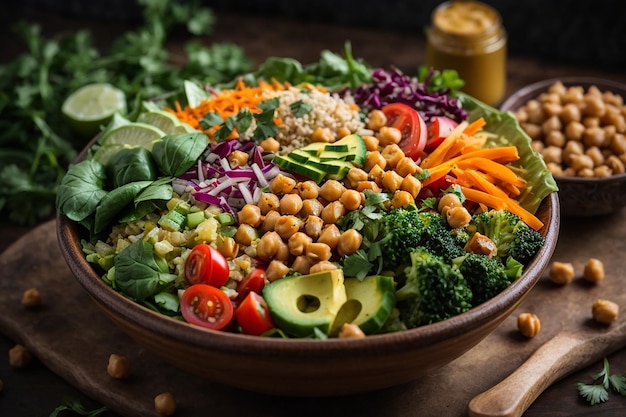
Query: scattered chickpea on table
[(528, 324), (604, 311)]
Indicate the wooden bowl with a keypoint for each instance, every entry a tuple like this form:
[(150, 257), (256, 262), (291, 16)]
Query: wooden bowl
[(298, 367), (579, 197)]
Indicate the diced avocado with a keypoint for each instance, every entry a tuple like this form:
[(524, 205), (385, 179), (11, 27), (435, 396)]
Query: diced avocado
[(300, 304), (376, 296), (194, 219), (306, 170)]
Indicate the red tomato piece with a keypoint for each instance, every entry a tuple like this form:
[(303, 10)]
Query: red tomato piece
[(206, 265), (408, 121), (206, 306), (253, 315), (439, 128), (254, 281)]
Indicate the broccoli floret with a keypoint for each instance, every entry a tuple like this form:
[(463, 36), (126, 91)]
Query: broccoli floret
[(433, 290), (509, 233), (486, 276), (408, 228)]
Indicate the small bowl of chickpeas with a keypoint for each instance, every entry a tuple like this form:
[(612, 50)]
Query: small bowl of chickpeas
[(578, 125)]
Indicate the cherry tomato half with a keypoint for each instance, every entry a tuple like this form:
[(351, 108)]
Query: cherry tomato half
[(439, 128), (206, 265), (253, 315), (206, 306), (254, 281), (408, 121)]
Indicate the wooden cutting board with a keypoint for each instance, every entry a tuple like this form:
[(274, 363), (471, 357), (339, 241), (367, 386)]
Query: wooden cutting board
[(72, 338)]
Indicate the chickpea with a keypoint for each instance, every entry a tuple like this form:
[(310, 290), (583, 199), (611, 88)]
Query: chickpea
[(301, 264), (351, 200), (616, 164), (282, 254), (533, 130), (574, 130), (267, 202), (165, 404), (391, 180), (322, 134), (245, 234), (528, 324), (580, 162), (555, 168), (287, 225), (118, 366), (595, 154), (570, 113), (308, 189), (571, 148), (376, 174), (574, 94), (269, 222), (250, 214), (536, 115), (19, 357), (372, 159), (350, 331), (342, 132), (237, 158), (355, 175), (31, 298), (448, 200), (322, 266), (376, 119), (552, 123), (389, 136), (276, 270), (401, 199), (368, 185), (618, 144), (604, 311), (586, 173), (555, 138), (371, 142), (458, 217), (282, 184), (298, 242), (561, 272), (594, 136), (270, 145), (411, 185), (227, 246), (591, 122), (317, 252), (594, 270), (331, 190), (406, 166), (333, 212), (537, 146), (392, 154), (349, 242), (311, 207), (313, 226), (268, 246), (330, 235), (593, 105), (481, 245), (552, 108), (602, 171), (552, 154), (290, 204)]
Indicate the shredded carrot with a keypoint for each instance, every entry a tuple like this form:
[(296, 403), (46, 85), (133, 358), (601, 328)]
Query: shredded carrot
[(228, 103), (475, 126), (498, 171)]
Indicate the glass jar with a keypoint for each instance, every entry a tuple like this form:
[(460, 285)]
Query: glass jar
[(468, 36)]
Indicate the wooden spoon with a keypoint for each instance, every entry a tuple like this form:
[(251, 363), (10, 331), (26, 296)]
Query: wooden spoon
[(565, 353)]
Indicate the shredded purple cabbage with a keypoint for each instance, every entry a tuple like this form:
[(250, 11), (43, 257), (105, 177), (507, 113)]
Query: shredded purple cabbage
[(395, 87)]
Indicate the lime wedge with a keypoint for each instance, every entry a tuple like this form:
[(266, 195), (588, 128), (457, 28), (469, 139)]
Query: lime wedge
[(133, 134), (165, 121), (92, 106), (104, 153)]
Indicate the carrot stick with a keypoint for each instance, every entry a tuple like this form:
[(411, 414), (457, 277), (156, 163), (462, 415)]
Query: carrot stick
[(475, 126), (438, 155), (499, 171)]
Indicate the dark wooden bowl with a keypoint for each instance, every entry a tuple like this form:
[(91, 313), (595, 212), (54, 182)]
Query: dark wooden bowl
[(579, 197), (297, 367)]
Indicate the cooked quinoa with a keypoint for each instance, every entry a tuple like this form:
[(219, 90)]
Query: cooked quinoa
[(328, 111)]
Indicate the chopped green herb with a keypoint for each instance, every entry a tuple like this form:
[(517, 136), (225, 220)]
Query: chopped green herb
[(300, 108), (598, 391)]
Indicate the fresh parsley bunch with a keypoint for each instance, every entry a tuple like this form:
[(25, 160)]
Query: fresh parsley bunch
[(603, 382)]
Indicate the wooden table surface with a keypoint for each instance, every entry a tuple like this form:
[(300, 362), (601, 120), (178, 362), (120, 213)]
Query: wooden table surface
[(37, 392)]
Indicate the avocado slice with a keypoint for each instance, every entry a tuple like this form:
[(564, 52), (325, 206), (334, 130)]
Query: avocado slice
[(300, 304), (376, 295)]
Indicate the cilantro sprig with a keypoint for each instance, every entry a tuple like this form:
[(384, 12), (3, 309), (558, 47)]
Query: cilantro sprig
[(598, 391)]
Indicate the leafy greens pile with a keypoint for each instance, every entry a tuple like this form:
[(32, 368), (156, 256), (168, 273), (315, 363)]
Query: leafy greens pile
[(36, 144)]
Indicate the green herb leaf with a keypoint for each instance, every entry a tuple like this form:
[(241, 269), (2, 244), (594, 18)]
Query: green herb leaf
[(77, 408), (357, 265), (211, 119), (300, 108), (594, 394)]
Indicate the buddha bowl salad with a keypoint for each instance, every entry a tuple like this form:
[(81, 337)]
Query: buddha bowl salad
[(329, 200)]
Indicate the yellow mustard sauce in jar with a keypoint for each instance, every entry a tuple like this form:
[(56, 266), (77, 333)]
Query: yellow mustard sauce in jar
[(468, 36)]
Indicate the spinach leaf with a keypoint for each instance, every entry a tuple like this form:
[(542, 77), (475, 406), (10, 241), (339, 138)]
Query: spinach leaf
[(115, 202), (150, 199), (130, 165), (175, 154), (137, 272), (81, 190)]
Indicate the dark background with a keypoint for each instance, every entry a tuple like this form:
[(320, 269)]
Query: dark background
[(584, 32)]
